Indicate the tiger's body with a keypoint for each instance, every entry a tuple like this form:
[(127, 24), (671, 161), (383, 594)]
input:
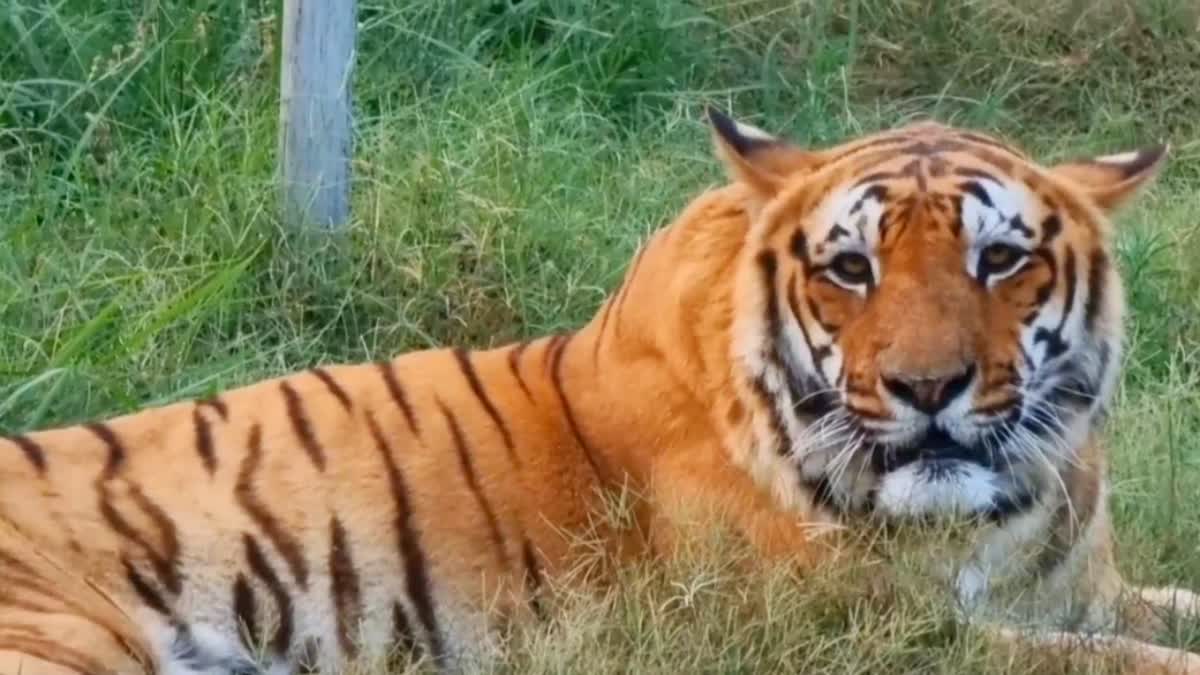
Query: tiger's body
[(744, 370)]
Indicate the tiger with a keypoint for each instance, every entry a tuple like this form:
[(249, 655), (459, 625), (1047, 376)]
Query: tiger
[(919, 322)]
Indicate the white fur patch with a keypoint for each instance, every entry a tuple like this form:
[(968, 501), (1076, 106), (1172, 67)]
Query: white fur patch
[(917, 489), (753, 132), (985, 224), (205, 650), (858, 214), (1120, 158)]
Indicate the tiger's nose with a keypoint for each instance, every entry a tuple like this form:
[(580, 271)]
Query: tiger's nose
[(929, 394)]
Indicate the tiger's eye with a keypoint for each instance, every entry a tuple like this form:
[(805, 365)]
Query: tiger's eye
[(852, 268), (999, 258)]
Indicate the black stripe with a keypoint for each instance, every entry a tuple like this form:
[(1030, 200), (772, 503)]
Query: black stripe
[(819, 352), (774, 419), (282, 640), (397, 393), (333, 386), (551, 350), (32, 451), (869, 144), (976, 190), (144, 590), (803, 388), (926, 148), (1051, 226), (1097, 268), (514, 365), (165, 565), (1076, 389), (468, 370), (633, 270), (204, 441), (799, 249), (1006, 506), (245, 613), (347, 598), (287, 545), (416, 573), (116, 451), (1055, 344), (1041, 297), (302, 427), (1018, 223), (556, 349), (217, 404), (990, 142), (876, 193), (837, 231), (970, 172), (1069, 519), (468, 469), (813, 309), (1001, 164), (767, 266), (533, 577), (402, 634), (608, 305), (1042, 293), (913, 169), (879, 177)]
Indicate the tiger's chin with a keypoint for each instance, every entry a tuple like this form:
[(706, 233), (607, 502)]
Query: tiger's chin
[(948, 489), (938, 478)]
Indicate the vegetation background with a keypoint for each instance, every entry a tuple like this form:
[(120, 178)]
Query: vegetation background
[(510, 154)]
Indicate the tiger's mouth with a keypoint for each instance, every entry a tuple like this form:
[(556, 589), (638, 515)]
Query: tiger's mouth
[(937, 476), (935, 447)]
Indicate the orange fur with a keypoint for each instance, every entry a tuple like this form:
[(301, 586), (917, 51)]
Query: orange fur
[(337, 511)]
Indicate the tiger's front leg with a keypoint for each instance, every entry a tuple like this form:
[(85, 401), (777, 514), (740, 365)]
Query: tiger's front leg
[(1135, 656), (1117, 622), (693, 490), (1142, 616)]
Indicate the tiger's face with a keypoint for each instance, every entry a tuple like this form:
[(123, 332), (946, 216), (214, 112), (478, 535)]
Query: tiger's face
[(936, 319)]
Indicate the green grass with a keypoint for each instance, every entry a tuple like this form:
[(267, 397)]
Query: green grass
[(509, 156)]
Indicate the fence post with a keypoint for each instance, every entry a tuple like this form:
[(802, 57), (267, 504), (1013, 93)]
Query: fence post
[(315, 119)]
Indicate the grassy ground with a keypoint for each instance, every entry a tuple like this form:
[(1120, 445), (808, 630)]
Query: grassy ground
[(510, 154)]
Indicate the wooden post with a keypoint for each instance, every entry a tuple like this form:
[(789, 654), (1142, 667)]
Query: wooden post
[(315, 119)]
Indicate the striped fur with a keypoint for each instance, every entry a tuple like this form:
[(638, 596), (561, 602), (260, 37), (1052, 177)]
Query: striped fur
[(742, 371)]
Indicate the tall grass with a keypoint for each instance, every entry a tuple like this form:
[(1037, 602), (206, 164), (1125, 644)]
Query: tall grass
[(510, 155)]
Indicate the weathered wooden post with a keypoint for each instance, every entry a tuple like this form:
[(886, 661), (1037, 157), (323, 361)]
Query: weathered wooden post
[(315, 117)]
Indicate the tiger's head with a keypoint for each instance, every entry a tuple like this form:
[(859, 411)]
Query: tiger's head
[(930, 321)]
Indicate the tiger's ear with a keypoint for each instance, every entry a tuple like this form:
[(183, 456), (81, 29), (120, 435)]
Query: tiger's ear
[(755, 157), (1112, 180)]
